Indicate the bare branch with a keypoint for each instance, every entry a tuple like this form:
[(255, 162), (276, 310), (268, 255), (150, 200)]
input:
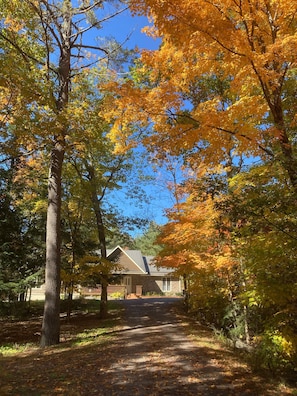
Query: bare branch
[(111, 176), (80, 32), (108, 17), (91, 47), (83, 10)]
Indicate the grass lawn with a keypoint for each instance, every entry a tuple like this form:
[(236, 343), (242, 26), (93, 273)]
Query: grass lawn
[(26, 369), (20, 327)]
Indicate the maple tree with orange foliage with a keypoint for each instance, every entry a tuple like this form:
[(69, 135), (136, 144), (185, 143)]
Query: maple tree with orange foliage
[(220, 92)]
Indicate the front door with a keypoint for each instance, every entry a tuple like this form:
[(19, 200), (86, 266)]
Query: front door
[(127, 281)]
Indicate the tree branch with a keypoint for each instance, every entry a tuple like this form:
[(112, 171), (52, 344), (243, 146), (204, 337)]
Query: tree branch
[(91, 47), (83, 10)]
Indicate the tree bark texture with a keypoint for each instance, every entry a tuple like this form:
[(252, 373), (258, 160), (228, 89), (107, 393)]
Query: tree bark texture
[(50, 333)]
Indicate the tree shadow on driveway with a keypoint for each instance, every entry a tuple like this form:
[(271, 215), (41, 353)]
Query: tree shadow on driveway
[(154, 356), (149, 354)]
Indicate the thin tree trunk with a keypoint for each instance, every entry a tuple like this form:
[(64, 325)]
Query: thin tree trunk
[(69, 302), (245, 307), (101, 236), (246, 325), (71, 283), (103, 302), (186, 292), (101, 233), (50, 333)]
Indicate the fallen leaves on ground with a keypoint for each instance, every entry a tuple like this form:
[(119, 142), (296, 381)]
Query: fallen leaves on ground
[(112, 360)]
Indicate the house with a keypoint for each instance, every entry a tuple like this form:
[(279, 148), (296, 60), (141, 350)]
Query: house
[(140, 276), (137, 276)]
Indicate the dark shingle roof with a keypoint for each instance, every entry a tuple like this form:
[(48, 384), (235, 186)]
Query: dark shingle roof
[(144, 263)]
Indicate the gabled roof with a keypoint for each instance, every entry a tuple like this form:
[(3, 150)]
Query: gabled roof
[(134, 256), (157, 271), (142, 265)]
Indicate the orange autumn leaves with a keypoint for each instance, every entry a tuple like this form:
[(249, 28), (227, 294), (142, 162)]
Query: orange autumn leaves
[(248, 45), (196, 237), (220, 83)]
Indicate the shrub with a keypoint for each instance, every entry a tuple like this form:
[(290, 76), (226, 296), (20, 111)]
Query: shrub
[(117, 296), (275, 352)]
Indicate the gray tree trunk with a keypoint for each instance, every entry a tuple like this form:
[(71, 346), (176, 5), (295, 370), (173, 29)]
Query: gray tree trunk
[(50, 333)]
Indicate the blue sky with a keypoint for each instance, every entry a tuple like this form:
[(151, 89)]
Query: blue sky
[(125, 26), (158, 197), (155, 199)]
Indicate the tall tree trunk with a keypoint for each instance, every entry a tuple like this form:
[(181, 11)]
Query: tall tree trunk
[(246, 325), (50, 333), (102, 242), (101, 236)]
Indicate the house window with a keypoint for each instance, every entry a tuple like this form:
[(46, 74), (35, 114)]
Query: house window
[(127, 281), (166, 284)]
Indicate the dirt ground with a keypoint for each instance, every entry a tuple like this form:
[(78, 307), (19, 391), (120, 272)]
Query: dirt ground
[(151, 353)]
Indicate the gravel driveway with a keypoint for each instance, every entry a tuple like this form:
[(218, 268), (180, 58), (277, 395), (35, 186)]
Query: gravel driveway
[(148, 349), (155, 357)]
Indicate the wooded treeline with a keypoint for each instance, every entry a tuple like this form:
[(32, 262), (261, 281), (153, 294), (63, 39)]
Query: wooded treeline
[(217, 97)]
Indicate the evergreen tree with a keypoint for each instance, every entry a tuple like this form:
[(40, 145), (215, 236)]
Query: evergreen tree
[(147, 241)]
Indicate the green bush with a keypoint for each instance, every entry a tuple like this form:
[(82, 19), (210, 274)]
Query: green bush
[(275, 352), (16, 309)]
